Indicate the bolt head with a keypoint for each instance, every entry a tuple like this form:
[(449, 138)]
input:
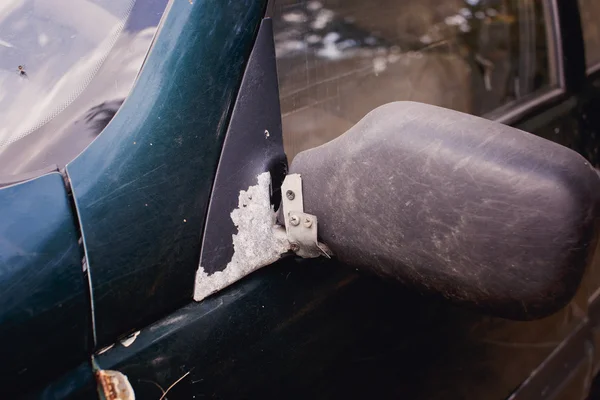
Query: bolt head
[(294, 220), (290, 195), (294, 247), (308, 222)]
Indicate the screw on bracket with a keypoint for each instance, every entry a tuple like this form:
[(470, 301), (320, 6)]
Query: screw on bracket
[(294, 220), (290, 195), (307, 222)]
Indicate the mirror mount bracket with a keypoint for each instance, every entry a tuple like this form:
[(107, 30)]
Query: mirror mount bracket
[(301, 228)]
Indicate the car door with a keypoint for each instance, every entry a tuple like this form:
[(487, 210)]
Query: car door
[(304, 328)]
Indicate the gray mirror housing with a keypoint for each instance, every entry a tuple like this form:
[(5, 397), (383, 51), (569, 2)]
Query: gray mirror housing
[(484, 214)]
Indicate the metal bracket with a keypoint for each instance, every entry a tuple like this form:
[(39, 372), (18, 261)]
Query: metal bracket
[(301, 228)]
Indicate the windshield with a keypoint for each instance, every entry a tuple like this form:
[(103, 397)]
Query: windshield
[(65, 68)]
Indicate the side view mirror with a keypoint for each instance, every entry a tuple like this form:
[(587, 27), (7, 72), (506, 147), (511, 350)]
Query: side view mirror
[(486, 215)]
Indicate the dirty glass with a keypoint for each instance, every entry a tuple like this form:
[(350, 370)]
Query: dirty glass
[(49, 51), (590, 14), (339, 59), (66, 67)]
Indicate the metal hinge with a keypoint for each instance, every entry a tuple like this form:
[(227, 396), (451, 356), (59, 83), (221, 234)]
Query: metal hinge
[(301, 228)]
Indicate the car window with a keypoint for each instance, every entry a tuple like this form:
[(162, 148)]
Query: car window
[(339, 59), (66, 67), (590, 13)]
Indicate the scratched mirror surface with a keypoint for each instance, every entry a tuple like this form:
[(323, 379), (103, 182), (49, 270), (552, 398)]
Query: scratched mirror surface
[(65, 68), (339, 59)]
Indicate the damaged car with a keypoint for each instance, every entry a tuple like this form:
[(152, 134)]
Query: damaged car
[(299, 199)]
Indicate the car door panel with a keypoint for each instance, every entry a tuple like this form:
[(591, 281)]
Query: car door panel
[(303, 328)]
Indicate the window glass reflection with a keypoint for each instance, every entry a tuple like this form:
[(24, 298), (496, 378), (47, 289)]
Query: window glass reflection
[(339, 59)]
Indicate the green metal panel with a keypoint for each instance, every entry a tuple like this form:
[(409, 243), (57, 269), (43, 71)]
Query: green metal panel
[(142, 188)]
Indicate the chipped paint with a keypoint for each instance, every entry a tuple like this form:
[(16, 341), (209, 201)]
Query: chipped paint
[(259, 241), (114, 385), (128, 341)]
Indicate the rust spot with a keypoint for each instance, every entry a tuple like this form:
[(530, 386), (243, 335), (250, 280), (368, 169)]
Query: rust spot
[(114, 385)]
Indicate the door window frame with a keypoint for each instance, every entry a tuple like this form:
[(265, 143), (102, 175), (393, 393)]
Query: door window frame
[(518, 110)]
